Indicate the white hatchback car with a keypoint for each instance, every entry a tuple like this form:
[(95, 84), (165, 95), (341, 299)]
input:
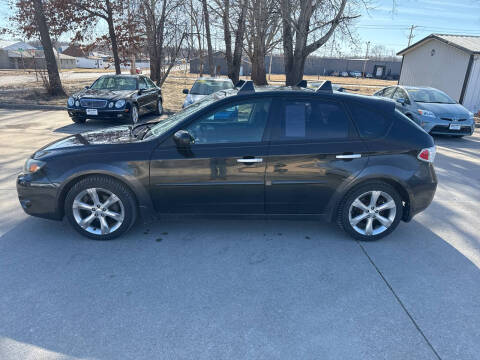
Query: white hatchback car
[(205, 86)]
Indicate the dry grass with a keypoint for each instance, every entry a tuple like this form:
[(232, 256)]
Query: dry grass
[(33, 93)]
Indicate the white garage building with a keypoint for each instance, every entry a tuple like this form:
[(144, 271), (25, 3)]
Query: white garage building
[(450, 63)]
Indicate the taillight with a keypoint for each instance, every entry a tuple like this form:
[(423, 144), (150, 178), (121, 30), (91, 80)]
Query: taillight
[(428, 154)]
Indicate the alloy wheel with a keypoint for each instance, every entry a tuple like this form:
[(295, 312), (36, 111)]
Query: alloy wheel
[(134, 114), (372, 213), (98, 211)]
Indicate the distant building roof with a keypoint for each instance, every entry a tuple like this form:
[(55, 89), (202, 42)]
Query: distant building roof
[(15, 45), (35, 53), (467, 43)]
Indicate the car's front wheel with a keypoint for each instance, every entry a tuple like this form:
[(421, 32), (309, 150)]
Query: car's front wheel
[(370, 211), (134, 114), (159, 109), (100, 207)]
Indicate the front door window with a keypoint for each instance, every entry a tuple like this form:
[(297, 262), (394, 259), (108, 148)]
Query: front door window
[(241, 123)]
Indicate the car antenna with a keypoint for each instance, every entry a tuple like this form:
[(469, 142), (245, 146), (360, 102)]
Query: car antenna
[(325, 86), (302, 83), (246, 87), (239, 83)]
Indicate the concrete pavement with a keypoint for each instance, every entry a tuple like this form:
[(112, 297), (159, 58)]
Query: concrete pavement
[(204, 289)]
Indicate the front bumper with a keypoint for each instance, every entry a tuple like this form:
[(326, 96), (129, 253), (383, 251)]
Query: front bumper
[(38, 197), (436, 126), (102, 113)]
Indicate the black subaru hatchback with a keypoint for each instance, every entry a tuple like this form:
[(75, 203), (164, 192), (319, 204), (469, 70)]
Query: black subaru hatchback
[(288, 151)]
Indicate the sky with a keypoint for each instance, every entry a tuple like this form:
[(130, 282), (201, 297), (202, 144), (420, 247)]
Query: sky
[(384, 24)]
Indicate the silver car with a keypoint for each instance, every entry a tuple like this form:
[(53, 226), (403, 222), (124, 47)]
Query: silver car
[(432, 109), (205, 86)]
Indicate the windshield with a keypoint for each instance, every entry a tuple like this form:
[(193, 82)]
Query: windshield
[(163, 126), (115, 83), (430, 96), (207, 87)]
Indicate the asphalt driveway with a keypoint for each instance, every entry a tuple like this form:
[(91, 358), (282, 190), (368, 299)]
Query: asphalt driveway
[(204, 289)]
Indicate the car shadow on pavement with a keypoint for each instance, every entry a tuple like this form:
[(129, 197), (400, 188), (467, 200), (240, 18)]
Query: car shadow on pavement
[(208, 289)]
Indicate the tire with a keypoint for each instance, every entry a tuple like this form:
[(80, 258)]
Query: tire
[(159, 108), (134, 116), (79, 120), (119, 214), (348, 213)]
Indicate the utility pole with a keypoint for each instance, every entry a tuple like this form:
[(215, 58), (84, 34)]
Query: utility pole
[(410, 37), (366, 58)]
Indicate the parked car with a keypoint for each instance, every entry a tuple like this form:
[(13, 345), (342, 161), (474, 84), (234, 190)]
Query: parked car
[(334, 73), (205, 86), (355, 74), (432, 109), (369, 75), (286, 151), (116, 97), (344, 74)]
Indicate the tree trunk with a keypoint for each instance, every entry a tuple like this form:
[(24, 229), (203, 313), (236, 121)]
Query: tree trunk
[(55, 85), (211, 65), (133, 65), (234, 69), (259, 74), (294, 73), (113, 38)]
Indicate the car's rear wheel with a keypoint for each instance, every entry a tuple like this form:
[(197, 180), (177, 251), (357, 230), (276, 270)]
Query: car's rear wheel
[(159, 109), (134, 114), (100, 207), (79, 120), (370, 211)]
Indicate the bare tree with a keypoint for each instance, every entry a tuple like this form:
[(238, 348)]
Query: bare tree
[(106, 10), (233, 14), (165, 29), (211, 65), (262, 27), (196, 26), (307, 25), (54, 83)]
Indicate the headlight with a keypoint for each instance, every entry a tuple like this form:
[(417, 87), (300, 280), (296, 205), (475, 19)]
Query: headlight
[(32, 166), (110, 105), (426, 113), (70, 101), (77, 103), (120, 103)]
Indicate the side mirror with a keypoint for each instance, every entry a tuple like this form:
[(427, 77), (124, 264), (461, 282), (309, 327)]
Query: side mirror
[(87, 87), (140, 91), (183, 139), (401, 101), (185, 91)]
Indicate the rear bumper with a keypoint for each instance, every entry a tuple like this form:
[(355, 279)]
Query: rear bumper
[(38, 197), (102, 113), (422, 190)]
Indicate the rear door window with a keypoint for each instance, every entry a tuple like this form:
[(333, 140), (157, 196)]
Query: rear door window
[(370, 122), (311, 120)]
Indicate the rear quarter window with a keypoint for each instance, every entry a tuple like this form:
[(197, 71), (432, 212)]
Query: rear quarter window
[(370, 122)]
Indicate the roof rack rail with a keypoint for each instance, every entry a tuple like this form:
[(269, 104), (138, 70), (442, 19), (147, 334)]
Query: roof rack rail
[(239, 83), (326, 86), (246, 87), (302, 83)]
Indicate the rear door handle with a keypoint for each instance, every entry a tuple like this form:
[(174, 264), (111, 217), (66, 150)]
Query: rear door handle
[(349, 156), (250, 161)]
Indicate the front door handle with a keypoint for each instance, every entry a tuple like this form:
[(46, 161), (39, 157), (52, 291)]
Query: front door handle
[(349, 156), (250, 161)]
